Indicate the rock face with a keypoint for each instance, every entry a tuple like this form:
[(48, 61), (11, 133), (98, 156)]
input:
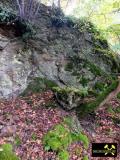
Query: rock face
[(14, 67), (58, 52)]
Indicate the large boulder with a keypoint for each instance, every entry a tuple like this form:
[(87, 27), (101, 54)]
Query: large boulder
[(61, 52)]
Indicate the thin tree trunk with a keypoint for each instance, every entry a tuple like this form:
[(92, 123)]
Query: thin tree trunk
[(19, 7)]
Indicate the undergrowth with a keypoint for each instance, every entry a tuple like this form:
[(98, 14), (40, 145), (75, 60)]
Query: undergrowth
[(21, 28), (90, 107), (60, 137), (39, 85), (6, 152), (118, 96)]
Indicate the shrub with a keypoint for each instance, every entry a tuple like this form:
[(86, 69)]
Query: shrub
[(60, 137), (6, 153)]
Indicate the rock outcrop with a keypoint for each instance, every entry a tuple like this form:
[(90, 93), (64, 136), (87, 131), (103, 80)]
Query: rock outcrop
[(59, 52)]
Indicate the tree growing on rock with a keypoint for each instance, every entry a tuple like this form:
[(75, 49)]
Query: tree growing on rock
[(27, 9)]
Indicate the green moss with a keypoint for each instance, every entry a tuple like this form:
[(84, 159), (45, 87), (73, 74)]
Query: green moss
[(118, 96), (57, 139), (117, 110), (90, 107), (77, 135), (84, 81), (100, 87), (39, 85), (81, 137), (110, 109), (18, 140), (69, 66), (60, 137), (68, 120), (6, 153), (109, 56), (63, 155), (94, 69), (85, 157), (66, 90)]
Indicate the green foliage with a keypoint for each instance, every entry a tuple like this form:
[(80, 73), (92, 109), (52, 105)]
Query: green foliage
[(110, 109), (63, 155), (68, 120), (57, 139), (90, 107), (85, 157), (6, 15), (83, 91), (58, 21), (93, 68), (28, 30), (69, 66), (100, 87), (117, 110), (102, 11), (6, 153), (60, 137), (39, 85), (84, 81), (84, 25), (118, 96), (81, 137)]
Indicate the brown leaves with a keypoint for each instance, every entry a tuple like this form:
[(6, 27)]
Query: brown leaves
[(24, 117), (28, 119)]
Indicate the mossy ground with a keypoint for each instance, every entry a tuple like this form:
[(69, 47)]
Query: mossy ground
[(39, 85), (60, 137), (6, 152)]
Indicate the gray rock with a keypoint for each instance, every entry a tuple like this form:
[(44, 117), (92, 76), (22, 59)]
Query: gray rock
[(3, 42), (46, 55)]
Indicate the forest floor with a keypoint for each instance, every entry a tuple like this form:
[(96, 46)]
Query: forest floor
[(24, 121)]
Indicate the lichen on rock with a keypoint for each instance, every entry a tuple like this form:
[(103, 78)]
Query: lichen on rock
[(61, 50)]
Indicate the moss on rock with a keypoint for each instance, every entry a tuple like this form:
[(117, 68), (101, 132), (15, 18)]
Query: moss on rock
[(90, 107), (39, 85), (118, 96)]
